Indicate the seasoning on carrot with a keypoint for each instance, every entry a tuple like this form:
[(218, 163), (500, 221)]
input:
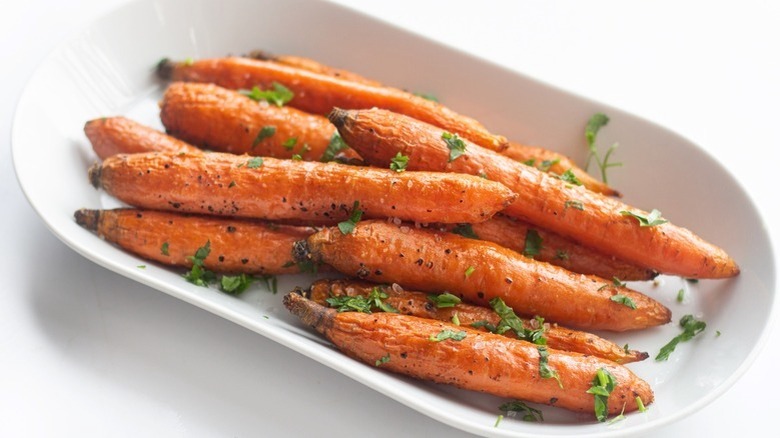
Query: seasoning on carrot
[(434, 261), (470, 359), (307, 192), (445, 307), (550, 203)]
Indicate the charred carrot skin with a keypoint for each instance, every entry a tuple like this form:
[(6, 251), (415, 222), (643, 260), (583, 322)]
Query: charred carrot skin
[(557, 164), (237, 246), (308, 192), (312, 66), (480, 361), (418, 304), (319, 94), (477, 271), (572, 211), (119, 135), (223, 120), (511, 233)]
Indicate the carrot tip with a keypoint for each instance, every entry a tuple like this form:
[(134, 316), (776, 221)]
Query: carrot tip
[(94, 175), (87, 218), (338, 117), (261, 55), (165, 68), (301, 251)]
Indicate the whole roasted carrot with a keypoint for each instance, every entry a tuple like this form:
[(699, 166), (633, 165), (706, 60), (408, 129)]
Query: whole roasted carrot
[(419, 304), (471, 359), (119, 135), (237, 246), (309, 192), (478, 271), (555, 204), (223, 120), (312, 66), (553, 162), (319, 94), (549, 247)]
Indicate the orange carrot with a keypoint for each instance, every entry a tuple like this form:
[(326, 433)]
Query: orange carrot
[(308, 192), (237, 246), (119, 135), (593, 220), (470, 359), (478, 271), (312, 66), (418, 304), (319, 94)]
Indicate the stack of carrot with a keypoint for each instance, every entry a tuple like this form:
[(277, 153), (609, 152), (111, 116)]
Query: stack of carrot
[(466, 265)]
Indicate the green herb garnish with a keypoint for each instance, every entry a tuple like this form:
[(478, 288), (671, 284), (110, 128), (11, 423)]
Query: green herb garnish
[(624, 300), (577, 205), (335, 146), (448, 334), (510, 321), (399, 162), (444, 300), (348, 226), (455, 144), (254, 163), (278, 95), (650, 220), (455, 320), (470, 270), (235, 284), (533, 244), (691, 327), (465, 230), (359, 303), (517, 407), (640, 405), (569, 177), (427, 96), (296, 157), (681, 295), (289, 144), (199, 275), (265, 132), (544, 369), (382, 360), (271, 283), (595, 123), (603, 384), (164, 249)]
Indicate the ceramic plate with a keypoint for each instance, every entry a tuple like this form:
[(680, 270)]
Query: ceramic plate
[(108, 70)]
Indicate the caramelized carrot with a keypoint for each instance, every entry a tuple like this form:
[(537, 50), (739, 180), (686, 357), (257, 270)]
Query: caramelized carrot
[(557, 164), (237, 246), (119, 135), (223, 120), (474, 360), (477, 271), (550, 203), (418, 304), (309, 192), (319, 94), (552, 248), (312, 66)]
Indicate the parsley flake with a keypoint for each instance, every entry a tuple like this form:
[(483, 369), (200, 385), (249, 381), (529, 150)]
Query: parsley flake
[(359, 303), (235, 284), (533, 244), (427, 96), (265, 132), (254, 163), (691, 327), (544, 369), (164, 249), (577, 205), (527, 413), (651, 219), (465, 230), (569, 177), (448, 334), (382, 360), (199, 275), (277, 95), (289, 144), (455, 144), (624, 300), (444, 300), (596, 122), (510, 321), (335, 146), (470, 270), (399, 162), (346, 227), (603, 384)]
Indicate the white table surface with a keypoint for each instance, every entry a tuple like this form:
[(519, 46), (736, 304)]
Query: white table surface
[(86, 352)]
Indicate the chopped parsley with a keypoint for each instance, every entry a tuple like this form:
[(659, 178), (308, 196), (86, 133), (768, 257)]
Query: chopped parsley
[(681, 295), (335, 146), (347, 226), (265, 132), (448, 334), (455, 320), (649, 220), (232, 184), (444, 300), (569, 177), (427, 96), (359, 303), (470, 270), (510, 321), (296, 157), (199, 275), (465, 230), (603, 384), (691, 327), (533, 244), (640, 405), (577, 205), (254, 163), (382, 360), (399, 162), (624, 300), (164, 249), (455, 144), (289, 144), (544, 369), (278, 95), (271, 283), (527, 413), (596, 122), (235, 284)]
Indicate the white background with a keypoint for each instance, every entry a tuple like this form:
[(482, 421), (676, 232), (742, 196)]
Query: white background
[(86, 352)]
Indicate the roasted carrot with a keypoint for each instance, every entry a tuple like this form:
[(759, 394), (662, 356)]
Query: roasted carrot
[(477, 271), (551, 248), (319, 94), (554, 204), (312, 66), (418, 304), (308, 192), (237, 245), (120, 135), (223, 120), (470, 359), (556, 163)]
